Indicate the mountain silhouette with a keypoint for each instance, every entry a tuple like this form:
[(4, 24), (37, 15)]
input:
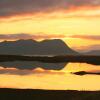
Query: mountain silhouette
[(32, 47), (93, 52)]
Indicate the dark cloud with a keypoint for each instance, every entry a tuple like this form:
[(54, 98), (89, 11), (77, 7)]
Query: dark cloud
[(29, 36), (16, 7), (89, 37)]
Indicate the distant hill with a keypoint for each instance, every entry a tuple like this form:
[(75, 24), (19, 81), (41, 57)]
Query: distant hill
[(93, 52), (32, 47)]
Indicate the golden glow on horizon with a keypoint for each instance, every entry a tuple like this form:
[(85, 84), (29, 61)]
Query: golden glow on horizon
[(79, 20)]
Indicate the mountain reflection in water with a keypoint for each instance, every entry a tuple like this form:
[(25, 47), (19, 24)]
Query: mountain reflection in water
[(37, 75), (32, 65)]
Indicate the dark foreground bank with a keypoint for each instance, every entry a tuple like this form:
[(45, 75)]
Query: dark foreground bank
[(28, 94), (53, 59)]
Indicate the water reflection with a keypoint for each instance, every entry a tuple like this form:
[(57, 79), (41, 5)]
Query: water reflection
[(40, 78), (75, 67), (32, 65)]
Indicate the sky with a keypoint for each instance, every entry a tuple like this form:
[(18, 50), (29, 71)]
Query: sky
[(76, 22)]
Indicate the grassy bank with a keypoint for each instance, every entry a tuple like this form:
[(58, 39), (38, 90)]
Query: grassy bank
[(29, 94), (81, 58)]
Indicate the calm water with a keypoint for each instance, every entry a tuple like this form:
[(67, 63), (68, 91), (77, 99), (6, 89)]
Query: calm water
[(36, 75)]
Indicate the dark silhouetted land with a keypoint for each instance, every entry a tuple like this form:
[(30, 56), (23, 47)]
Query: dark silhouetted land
[(55, 59), (29, 94), (86, 73), (32, 47)]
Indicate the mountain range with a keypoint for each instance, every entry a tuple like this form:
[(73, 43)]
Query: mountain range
[(93, 52), (32, 47)]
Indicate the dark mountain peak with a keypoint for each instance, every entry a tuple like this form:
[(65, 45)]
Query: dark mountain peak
[(4, 42), (53, 40), (57, 42), (32, 47), (26, 41), (20, 40)]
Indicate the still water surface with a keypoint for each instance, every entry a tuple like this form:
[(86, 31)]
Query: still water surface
[(57, 76)]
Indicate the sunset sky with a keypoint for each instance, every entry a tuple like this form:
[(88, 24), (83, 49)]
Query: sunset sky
[(77, 22)]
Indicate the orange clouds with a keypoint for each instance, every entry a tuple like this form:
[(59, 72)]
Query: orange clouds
[(72, 12), (17, 7), (50, 19), (30, 36), (88, 37), (46, 36)]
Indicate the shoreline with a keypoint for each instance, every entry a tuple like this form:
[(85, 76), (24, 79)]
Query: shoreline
[(36, 94), (55, 59)]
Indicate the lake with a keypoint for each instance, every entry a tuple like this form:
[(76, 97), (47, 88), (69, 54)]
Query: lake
[(56, 76)]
